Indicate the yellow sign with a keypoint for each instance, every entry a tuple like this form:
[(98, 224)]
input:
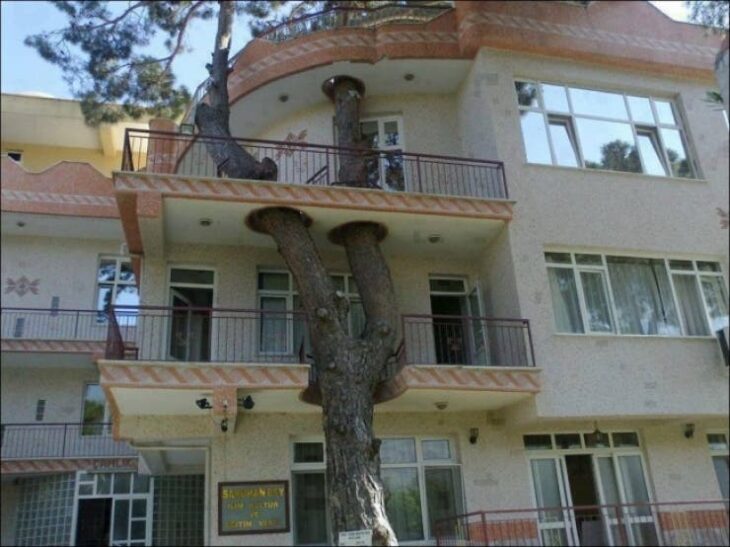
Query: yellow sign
[(253, 507)]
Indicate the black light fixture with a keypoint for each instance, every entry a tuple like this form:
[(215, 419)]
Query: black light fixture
[(283, 98), (689, 431), (203, 404), (246, 402), (473, 435), (409, 77), (224, 425)]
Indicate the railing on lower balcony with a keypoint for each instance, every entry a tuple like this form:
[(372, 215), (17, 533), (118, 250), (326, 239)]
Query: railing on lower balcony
[(691, 523), (60, 440), (52, 324), (477, 341), (321, 165)]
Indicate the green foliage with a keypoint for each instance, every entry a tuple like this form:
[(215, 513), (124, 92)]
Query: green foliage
[(710, 13)]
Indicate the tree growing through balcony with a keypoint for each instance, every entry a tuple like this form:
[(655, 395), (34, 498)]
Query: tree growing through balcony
[(103, 52)]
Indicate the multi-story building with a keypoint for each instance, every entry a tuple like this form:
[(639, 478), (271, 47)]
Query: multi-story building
[(549, 174)]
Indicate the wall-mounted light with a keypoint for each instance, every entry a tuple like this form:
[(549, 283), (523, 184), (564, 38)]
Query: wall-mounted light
[(474, 435), (205, 222), (441, 405), (409, 77), (689, 431), (20, 224), (203, 404), (224, 425), (187, 128), (434, 238), (246, 402), (283, 98)]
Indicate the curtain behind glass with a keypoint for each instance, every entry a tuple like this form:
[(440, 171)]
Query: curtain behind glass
[(643, 296), (594, 291), (565, 300), (310, 520), (713, 288), (690, 305), (403, 502), (443, 494)]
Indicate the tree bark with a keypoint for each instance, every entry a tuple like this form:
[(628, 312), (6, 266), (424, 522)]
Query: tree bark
[(213, 120), (346, 96)]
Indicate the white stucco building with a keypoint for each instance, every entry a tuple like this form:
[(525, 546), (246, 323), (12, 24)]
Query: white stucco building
[(549, 174)]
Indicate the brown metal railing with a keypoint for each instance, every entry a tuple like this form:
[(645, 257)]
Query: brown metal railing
[(60, 440), (319, 165), (52, 324), (341, 17), (478, 341), (632, 524)]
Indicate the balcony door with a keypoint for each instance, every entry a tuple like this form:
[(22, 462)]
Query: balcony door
[(191, 299)]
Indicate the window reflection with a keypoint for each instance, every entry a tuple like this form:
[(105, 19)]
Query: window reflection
[(608, 145), (598, 103), (535, 136)]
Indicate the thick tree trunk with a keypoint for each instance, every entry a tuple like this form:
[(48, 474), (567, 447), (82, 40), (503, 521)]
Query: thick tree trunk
[(346, 96), (213, 120)]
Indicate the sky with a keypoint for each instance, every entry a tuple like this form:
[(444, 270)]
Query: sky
[(22, 69)]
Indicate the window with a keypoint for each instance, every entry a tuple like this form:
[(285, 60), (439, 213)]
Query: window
[(116, 285), (40, 410), (421, 479), (593, 293), (718, 444), (385, 134), (282, 332), (94, 410), (576, 127)]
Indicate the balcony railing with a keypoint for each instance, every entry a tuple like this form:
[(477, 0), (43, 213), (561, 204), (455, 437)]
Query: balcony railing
[(60, 440), (342, 17), (319, 165), (692, 523), (152, 333), (477, 341), (52, 324)]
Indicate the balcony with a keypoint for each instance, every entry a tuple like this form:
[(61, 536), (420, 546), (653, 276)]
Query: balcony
[(691, 523), (49, 334)]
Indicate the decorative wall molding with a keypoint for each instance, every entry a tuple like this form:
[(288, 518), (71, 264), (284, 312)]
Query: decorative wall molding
[(8, 467), (21, 286), (52, 346)]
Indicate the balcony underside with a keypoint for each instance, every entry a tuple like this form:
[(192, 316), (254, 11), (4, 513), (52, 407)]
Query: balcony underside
[(33, 466), (51, 353)]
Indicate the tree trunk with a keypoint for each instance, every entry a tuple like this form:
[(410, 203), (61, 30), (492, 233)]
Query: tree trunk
[(213, 120), (346, 94)]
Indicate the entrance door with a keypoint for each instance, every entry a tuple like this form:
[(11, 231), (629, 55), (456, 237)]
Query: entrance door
[(94, 522), (554, 521), (190, 323), (585, 498)]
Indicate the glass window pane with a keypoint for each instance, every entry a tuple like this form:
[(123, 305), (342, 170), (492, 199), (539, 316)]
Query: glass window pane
[(139, 509), (547, 490), (566, 308), (665, 112), (641, 110), (127, 295), (443, 494), (567, 440), (676, 153), (103, 483), (94, 405), (708, 266), (398, 451), (310, 517), (357, 318), (199, 277), (139, 529), (563, 146), (625, 439), (439, 449), (339, 282), (598, 103), (447, 285), (558, 258), (681, 265), (608, 145), (104, 297), (650, 154), (589, 260), (643, 296), (597, 308), (632, 479), (392, 135), (308, 452), (122, 483), (107, 269), (608, 481), (713, 289), (555, 98), (723, 477), (690, 305), (121, 518), (273, 333), (126, 273), (596, 441), (535, 137), (403, 502), (369, 132), (537, 442), (274, 281), (526, 94), (717, 441), (141, 484), (86, 490)]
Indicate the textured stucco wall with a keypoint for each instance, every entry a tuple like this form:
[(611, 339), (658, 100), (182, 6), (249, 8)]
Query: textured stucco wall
[(66, 268), (62, 388), (9, 499), (39, 158)]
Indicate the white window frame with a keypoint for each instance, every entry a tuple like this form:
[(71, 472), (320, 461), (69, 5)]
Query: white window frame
[(570, 116), (603, 268), (177, 284), (115, 283), (420, 464), (718, 452), (107, 411)]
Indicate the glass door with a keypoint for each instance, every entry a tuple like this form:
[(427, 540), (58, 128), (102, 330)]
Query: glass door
[(554, 520), (385, 170), (478, 336), (180, 326)]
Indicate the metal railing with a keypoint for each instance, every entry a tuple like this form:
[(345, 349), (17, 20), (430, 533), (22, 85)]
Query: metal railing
[(52, 324), (348, 17), (635, 524), (320, 165), (478, 341), (154, 333), (60, 440)]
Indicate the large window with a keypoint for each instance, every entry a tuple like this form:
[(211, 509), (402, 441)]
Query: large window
[(576, 127), (593, 293), (94, 410), (421, 477), (116, 285), (719, 449)]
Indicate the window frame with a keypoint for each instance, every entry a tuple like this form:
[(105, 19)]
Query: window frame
[(115, 283), (106, 416), (603, 268), (717, 452), (571, 116)]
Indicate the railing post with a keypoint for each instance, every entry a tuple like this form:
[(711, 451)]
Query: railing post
[(484, 529), (76, 326), (418, 174), (63, 446)]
